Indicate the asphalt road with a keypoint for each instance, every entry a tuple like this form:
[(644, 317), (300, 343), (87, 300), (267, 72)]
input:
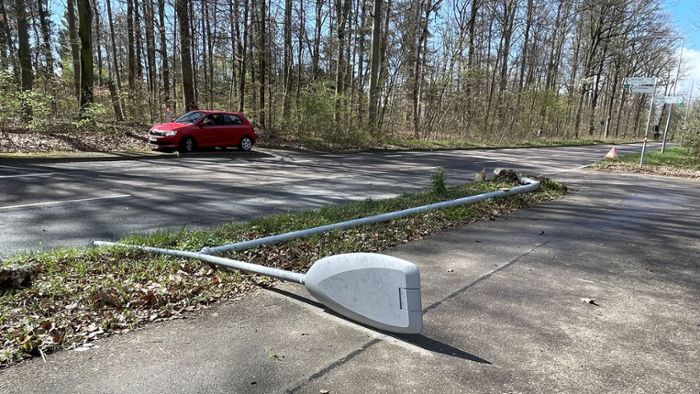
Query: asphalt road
[(502, 302), (48, 205)]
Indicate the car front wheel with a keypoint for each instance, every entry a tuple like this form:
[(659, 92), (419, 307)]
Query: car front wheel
[(188, 145), (246, 144)]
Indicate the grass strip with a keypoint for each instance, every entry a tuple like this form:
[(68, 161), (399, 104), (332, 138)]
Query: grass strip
[(674, 161), (79, 295), (467, 144), (358, 141)]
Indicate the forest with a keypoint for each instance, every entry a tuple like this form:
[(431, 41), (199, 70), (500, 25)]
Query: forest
[(340, 70)]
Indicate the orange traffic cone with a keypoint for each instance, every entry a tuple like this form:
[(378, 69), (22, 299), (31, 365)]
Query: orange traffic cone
[(612, 154)]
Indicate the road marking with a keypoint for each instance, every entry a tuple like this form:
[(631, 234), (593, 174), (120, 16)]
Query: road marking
[(28, 175), (42, 204)]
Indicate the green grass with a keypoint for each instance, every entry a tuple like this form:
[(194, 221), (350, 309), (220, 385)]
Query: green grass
[(672, 157), (82, 294), (467, 144), (674, 161), (360, 140)]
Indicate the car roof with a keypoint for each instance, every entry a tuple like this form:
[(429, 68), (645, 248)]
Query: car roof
[(213, 111)]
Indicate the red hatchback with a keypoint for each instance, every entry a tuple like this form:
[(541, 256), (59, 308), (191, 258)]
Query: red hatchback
[(203, 129)]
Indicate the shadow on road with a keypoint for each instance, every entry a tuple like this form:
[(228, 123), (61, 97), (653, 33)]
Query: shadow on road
[(226, 153), (419, 340)]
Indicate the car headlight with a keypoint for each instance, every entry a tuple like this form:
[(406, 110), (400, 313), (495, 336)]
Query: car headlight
[(170, 133)]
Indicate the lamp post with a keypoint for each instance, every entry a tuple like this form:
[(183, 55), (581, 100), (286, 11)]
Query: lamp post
[(687, 108), (670, 106)]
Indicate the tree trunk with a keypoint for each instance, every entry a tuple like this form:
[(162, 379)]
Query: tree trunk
[(526, 39), (235, 41), (508, 18), (46, 38), (165, 68), (194, 50), (262, 63), (383, 67), (343, 9), (119, 106), (211, 36), (6, 47), (98, 38), (287, 67), (207, 58), (373, 93), (301, 32), (315, 56), (182, 10), (150, 47), (74, 46), (243, 56), (24, 53), (131, 52), (86, 75), (361, 60), (138, 42)]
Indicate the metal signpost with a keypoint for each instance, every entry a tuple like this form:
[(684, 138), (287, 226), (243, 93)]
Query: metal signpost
[(680, 100), (639, 81), (643, 85), (644, 89)]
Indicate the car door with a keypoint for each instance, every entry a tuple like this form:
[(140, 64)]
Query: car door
[(220, 130), (206, 131), (236, 129), (215, 131)]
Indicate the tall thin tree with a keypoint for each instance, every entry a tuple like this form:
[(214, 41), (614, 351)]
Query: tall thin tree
[(374, 61), (86, 70), (182, 10), (74, 44), (24, 52)]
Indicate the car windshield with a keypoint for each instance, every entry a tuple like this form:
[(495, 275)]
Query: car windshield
[(189, 117)]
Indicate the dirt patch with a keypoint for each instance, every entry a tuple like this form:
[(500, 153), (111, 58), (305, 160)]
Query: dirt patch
[(647, 169), (68, 138)]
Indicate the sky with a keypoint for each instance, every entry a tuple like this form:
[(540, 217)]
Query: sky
[(685, 16)]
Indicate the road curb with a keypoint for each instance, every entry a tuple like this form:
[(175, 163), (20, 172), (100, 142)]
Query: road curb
[(125, 157)]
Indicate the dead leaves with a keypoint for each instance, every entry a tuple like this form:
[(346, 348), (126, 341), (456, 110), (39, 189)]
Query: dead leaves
[(68, 138), (91, 306), (618, 167), (106, 297)]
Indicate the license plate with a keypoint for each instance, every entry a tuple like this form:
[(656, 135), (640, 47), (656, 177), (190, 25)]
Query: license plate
[(153, 138)]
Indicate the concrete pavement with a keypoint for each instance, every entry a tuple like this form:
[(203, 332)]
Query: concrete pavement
[(503, 313), (47, 205)]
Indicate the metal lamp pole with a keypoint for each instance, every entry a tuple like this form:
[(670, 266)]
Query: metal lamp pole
[(687, 107), (670, 106), (646, 131)]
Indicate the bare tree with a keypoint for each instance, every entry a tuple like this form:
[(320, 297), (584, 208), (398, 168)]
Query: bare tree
[(86, 70), (182, 9), (373, 94), (74, 44)]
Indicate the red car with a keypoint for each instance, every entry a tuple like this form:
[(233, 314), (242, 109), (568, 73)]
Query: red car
[(203, 129)]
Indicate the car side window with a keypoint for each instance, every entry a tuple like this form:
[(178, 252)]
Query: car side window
[(233, 120), (217, 120)]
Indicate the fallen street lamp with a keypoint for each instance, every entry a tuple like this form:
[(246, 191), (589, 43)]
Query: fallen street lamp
[(373, 289)]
